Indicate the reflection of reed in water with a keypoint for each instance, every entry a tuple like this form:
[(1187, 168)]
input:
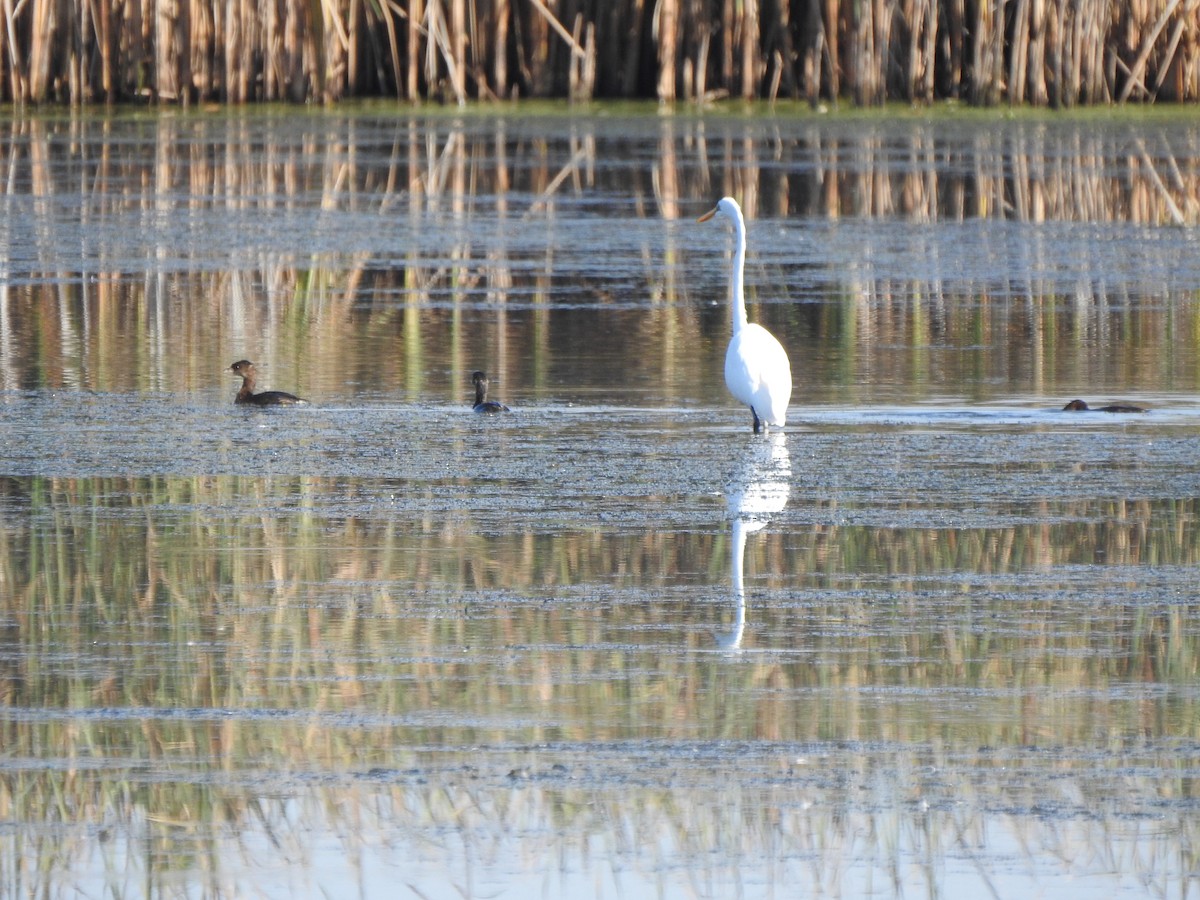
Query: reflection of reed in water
[(800, 819), (236, 266), (283, 639), (759, 489)]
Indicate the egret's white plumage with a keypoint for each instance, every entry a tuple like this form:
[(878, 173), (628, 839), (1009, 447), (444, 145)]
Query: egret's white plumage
[(757, 371)]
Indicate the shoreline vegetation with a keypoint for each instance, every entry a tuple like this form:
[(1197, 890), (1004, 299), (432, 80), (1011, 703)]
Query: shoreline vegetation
[(1041, 53)]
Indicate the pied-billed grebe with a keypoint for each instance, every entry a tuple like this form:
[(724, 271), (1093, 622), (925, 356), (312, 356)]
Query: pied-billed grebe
[(482, 403), (1080, 406), (245, 368), (757, 370)]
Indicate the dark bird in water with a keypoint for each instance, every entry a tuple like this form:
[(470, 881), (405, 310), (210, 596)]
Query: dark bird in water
[(482, 403), (1080, 406), (245, 368)]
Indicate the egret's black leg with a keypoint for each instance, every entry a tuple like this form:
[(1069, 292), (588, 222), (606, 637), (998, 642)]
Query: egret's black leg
[(756, 422)]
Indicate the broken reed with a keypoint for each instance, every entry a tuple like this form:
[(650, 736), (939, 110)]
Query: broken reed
[(1040, 52)]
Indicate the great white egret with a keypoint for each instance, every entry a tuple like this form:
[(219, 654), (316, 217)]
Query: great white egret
[(757, 371), (1080, 406), (482, 403), (246, 369)]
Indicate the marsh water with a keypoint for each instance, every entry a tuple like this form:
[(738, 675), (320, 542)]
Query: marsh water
[(936, 637)]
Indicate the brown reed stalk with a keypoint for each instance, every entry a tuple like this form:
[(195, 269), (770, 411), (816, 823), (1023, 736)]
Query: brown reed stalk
[(12, 73), (1018, 66), (500, 48), (416, 15), (665, 34), (751, 56), (44, 43)]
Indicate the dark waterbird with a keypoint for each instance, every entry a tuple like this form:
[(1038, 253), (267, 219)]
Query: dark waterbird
[(246, 395), (1081, 406), (482, 403)]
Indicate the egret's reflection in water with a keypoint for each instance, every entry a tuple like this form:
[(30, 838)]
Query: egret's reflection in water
[(758, 489)]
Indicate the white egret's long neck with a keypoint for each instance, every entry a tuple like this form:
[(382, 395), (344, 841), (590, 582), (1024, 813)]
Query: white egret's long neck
[(737, 297)]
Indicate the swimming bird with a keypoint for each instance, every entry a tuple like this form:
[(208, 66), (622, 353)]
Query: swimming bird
[(246, 369), (482, 403), (757, 370), (1081, 406)]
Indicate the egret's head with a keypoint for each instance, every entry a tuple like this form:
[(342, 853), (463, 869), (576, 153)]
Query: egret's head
[(726, 207)]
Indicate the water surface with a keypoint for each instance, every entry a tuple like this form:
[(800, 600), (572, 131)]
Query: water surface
[(936, 636)]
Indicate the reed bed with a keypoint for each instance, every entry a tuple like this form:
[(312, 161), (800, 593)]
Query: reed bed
[(985, 52)]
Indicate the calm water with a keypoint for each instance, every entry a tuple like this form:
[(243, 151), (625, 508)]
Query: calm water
[(935, 638)]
